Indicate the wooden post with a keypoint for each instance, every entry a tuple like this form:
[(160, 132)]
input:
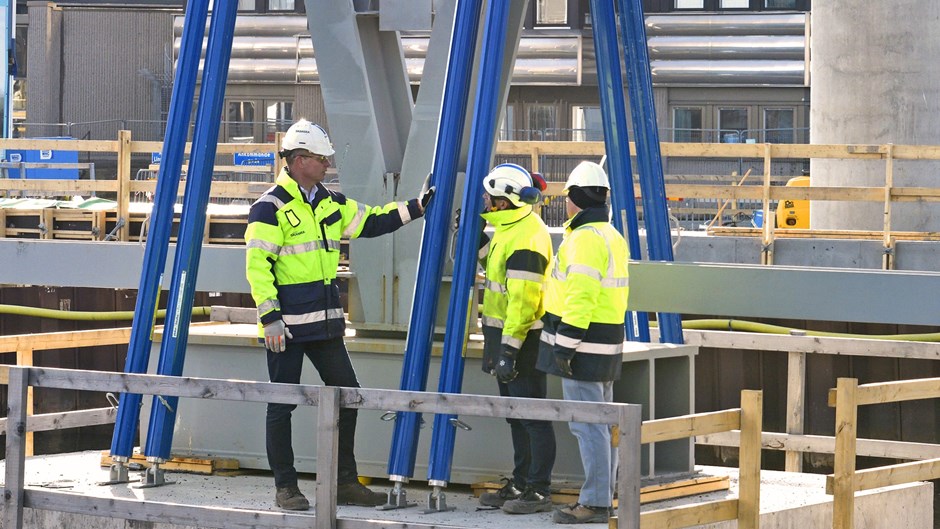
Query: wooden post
[(767, 253), (629, 453), (279, 163), (15, 448), (536, 154), (887, 261), (749, 459), (327, 456), (124, 183), (796, 398), (24, 358), (843, 490)]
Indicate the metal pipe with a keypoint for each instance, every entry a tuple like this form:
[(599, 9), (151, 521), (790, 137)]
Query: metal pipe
[(649, 157), (434, 239), (151, 276), (192, 224), (617, 144), (482, 139)]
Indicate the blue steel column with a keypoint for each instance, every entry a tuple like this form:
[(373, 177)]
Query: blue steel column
[(617, 143), (158, 238), (192, 223), (486, 110), (414, 376), (652, 185)]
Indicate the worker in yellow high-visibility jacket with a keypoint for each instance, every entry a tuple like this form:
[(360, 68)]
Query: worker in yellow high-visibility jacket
[(516, 260), (582, 339), (293, 243)]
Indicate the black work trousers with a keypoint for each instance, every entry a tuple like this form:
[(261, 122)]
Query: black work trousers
[(331, 361), (533, 442)]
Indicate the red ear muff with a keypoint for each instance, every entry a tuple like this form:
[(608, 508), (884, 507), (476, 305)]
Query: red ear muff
[(539, 181)]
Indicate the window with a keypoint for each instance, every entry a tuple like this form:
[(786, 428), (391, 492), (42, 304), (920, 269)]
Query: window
[(507, 124), (780, 4), (735, 4), (277, 118), (731, 123), (551, 13), (247, 5), (687, 124), (281, 5), (541, 121), (587, 124), (690, 4), (778, 125), (240, 117)]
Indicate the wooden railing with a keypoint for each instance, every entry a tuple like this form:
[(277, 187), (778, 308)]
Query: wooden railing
[(845, 480), (124, 186)]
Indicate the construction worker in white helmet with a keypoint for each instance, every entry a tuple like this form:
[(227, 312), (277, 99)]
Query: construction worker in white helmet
[(516, 260), (583, 333), (293, 251)]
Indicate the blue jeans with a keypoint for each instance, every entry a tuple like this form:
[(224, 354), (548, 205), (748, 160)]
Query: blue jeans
[(533, 442), (331, 361), (598, 457)]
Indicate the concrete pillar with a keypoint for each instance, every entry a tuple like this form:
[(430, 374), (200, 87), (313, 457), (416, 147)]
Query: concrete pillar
[(875, 80)]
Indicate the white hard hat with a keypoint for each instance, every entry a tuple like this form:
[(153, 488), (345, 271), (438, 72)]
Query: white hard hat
[(513, 183), (588, 174), (308, 136)]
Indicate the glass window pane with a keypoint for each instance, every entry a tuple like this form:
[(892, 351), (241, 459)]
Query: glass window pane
[(247, 5), (551, 12), (781, 4), (280, 5), (541, 122), (507, 124), (687, 124), (778, 125), (735, 4), (240, 117), (690, 4), (731, 123), (587, 124), (277, 118)]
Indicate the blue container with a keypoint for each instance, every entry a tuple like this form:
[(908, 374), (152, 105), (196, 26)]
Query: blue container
[(44, 156), (758, 218)]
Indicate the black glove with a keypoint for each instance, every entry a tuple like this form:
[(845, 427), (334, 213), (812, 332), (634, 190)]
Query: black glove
[(427, 192), (505, 368), (563, 363)]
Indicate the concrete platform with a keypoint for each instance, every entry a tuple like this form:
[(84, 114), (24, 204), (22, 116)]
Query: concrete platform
[(787, 500)]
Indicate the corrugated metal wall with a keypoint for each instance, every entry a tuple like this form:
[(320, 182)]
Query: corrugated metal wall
[(102, 65)]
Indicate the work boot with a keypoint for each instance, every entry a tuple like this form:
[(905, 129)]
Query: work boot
[(500, 497), (578, 513), (355, 493), (291, 499), (531, 501)]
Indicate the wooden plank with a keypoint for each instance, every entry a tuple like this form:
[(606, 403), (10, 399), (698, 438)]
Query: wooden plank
[(65, 340), (13, 486), (59, 145), (886, 476), (716, 484), (123, 179), (24, 358), (843, 503), (821, 444), (896, 391), (69, 419), (176, 463), (796, 398), (327, 456), (688, 515), (58, 186), (749, 460), (657, 430)]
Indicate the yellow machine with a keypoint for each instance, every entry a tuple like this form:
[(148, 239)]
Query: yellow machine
[(794, 213)]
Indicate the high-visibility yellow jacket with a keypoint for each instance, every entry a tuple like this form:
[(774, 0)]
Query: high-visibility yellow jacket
[(293, 251), (516, 260), (586, 299)]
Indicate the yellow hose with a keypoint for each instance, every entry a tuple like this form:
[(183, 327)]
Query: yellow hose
[(749, 326), (78, 315)]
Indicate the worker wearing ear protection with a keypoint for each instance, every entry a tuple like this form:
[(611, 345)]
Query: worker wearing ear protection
[(516, 260)]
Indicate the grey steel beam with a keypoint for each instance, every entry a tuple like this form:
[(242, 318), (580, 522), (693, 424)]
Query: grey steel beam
[(758, 291)]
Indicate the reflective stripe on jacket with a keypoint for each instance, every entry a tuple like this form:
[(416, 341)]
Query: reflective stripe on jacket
[(516, 261), (293, 252), (586, 299)]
